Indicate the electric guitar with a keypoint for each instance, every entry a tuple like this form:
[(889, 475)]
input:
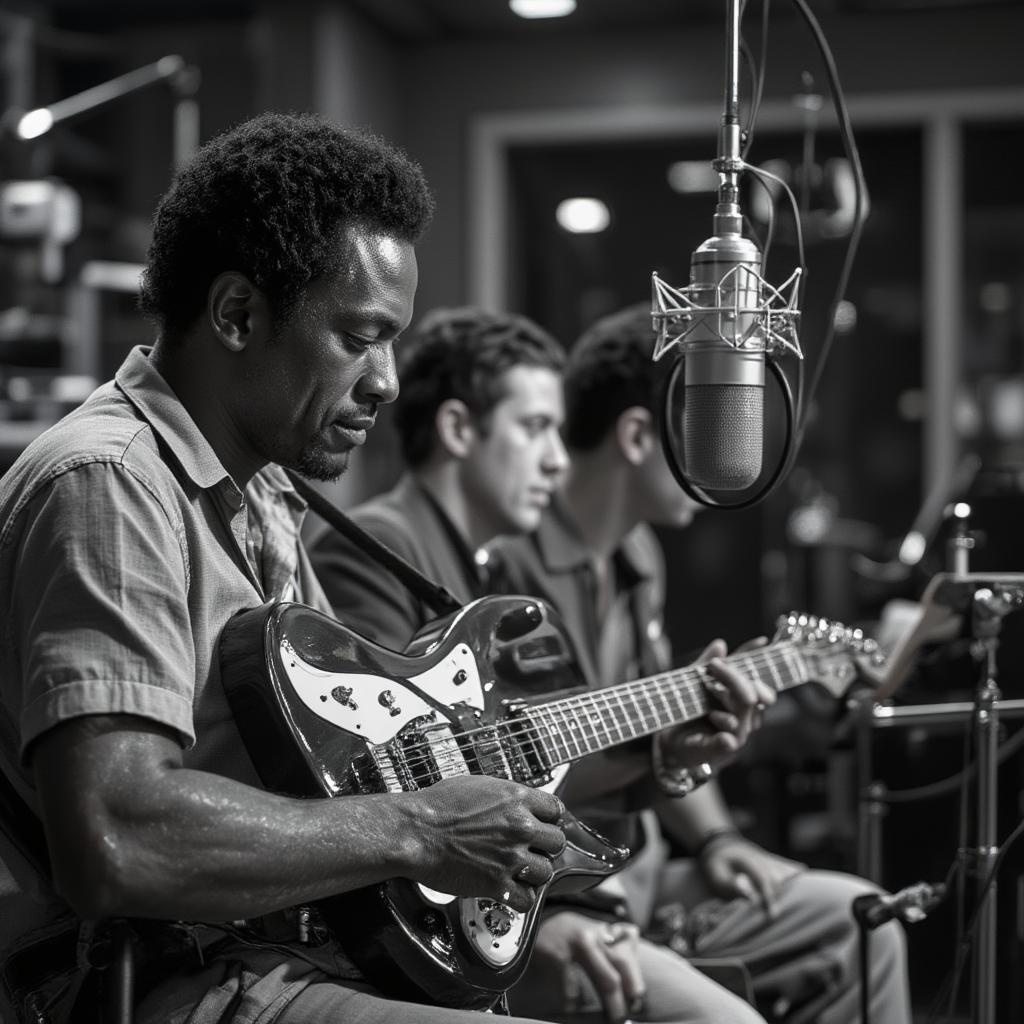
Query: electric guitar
[(325, 712)]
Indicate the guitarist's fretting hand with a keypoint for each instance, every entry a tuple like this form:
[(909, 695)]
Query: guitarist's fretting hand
[(740, 699), (484, 836)]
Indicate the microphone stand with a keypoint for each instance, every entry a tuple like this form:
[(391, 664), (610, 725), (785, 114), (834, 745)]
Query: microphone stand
[(988, 609), (987, 598)]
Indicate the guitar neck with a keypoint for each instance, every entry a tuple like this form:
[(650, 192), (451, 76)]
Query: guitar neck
[(573, 727)]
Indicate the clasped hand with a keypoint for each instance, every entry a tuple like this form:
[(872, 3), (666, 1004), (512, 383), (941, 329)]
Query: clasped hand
[(569, 944), (737, 867)]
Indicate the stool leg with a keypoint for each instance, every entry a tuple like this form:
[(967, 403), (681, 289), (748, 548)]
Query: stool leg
[(121, 995)]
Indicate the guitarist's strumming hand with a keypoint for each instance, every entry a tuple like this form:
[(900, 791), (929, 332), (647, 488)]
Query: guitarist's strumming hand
[(488, 837), (740, 699)]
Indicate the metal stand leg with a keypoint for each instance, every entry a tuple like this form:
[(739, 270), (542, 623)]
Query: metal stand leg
[(986, 732), (121, 997), (871, 808)]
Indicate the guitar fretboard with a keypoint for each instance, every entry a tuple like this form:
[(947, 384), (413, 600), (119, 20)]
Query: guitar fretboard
[(567, 729)]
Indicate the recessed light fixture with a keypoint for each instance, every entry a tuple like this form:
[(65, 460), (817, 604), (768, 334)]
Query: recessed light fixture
[(34, 123), (542, 8), (583, 215)]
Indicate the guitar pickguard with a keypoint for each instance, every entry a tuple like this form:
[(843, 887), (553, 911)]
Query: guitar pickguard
[(326, 712), (374, 707)]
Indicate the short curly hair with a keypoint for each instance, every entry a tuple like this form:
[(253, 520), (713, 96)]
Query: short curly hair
[(462, 353), (609, 370), (266, 199)]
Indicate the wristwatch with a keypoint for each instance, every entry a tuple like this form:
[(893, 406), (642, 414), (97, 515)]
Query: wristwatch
[(677, 781)]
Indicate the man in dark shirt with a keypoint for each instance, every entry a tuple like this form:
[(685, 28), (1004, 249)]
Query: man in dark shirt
[(479, 418), (595, 558)]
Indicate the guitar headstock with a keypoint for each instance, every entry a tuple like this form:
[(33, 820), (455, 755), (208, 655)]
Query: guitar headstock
[(834, 654)]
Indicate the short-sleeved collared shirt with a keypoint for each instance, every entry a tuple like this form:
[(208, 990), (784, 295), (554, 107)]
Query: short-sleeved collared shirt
[(125, 547), (628, 639)]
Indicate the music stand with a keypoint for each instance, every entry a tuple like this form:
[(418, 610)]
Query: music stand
[(986, 598)]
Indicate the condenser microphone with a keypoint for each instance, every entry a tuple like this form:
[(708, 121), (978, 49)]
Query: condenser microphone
[(723, 373), (723, 326)]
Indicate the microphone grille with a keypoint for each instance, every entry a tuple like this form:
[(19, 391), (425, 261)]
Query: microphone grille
[(722, 435)]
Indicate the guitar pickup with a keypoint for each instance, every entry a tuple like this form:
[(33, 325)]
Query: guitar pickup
[(490, 754), (519, 743)]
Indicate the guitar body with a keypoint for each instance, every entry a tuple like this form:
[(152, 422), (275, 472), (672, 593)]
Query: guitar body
[(325, 712)]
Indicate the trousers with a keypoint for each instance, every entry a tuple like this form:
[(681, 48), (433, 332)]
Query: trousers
[(803, 956)]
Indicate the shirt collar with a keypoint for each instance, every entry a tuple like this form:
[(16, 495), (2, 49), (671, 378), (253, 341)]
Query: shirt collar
[(139, 379), (472, 569), (563, 549), (558, 539)]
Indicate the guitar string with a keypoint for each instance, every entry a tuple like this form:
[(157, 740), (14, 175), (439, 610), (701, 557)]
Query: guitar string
[(555, 729), (551, 733)]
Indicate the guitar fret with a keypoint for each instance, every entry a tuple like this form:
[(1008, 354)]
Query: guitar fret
[(748, 664), (588, 728), (773, 669), (583, 740), (652, 707), (569, 728), (614, 706), (666, 697), (555, 741), (799, 673), (625, 720)]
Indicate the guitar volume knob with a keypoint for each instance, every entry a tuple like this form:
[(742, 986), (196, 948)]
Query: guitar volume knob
[(497, 917), (386, 699)]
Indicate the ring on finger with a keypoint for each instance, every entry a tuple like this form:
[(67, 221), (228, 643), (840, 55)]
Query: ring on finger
[(614, 933)]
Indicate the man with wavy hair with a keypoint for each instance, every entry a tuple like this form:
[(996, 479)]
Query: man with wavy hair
[(596, 559), (479, 420)]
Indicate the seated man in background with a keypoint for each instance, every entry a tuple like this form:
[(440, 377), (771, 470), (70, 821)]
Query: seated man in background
[(478, 419), (596, 560)]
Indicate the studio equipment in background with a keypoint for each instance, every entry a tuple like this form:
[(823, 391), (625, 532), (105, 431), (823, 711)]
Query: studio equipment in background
[(981, 601), (909, 905), (825, 189), (943, 503), (872, 910), (729, 325)]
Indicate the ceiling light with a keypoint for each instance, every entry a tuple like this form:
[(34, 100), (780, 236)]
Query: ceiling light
[(542, 8), (583, 215), (35, 123)]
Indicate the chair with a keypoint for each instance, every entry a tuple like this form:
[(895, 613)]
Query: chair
[(112, 995)]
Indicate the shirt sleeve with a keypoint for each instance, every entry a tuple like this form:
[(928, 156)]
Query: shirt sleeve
[(364, 595), (100, 604)]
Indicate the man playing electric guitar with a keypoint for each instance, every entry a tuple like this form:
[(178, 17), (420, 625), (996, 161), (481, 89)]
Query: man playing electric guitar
[(595, 559), (281, 273)]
